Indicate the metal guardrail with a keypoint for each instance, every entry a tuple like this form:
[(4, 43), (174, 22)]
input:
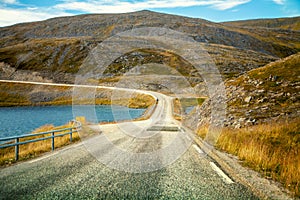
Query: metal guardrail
[(15, 140)]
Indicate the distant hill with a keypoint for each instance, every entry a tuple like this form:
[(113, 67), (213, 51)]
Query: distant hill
[(54, 49), (292, 24)]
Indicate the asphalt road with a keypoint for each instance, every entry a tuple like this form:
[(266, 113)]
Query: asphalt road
[(151, 159), (75, 174)]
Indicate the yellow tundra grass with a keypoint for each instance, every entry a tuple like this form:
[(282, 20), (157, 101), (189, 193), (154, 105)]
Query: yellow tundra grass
[(272, 149)]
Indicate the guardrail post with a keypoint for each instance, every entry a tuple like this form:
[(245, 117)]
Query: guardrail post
[(17, 149), (71, 132), (52, 141)]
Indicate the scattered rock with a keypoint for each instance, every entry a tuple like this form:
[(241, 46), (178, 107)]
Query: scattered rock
[(248, 99), (261, 91), (262, 100), (250, 122), (242, 119), (273, 78)]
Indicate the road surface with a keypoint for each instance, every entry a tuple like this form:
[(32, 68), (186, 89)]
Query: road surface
[(151, 159)]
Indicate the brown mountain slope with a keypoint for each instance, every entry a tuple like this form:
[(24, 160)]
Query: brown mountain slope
[(103, 26), (55, 48)]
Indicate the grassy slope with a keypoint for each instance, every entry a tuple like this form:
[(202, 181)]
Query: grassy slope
[(51, 56), (272, 149)]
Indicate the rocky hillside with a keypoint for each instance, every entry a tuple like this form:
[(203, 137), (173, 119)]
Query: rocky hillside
[(54, 49), (268, 93)]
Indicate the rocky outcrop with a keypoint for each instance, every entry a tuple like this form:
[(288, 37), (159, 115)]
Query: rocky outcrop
[(9, 73)]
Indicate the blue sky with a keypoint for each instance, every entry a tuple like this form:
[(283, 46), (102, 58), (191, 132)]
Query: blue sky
[(17, 11)]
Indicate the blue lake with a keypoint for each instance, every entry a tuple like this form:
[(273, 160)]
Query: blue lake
[(23, 120)]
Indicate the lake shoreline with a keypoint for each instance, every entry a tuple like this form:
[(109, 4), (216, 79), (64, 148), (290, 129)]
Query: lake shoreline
[(24, 119), (29, 94)]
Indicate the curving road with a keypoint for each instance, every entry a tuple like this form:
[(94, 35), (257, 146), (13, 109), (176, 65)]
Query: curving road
[(150, 159)]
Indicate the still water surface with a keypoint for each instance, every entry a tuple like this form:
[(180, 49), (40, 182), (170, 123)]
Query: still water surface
[(23, 120)]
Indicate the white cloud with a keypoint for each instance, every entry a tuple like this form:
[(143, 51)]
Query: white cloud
[(9, 1), (224, 5), (116, 6), (280, 2), (32, 8), (13, 16), (27, 13)]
